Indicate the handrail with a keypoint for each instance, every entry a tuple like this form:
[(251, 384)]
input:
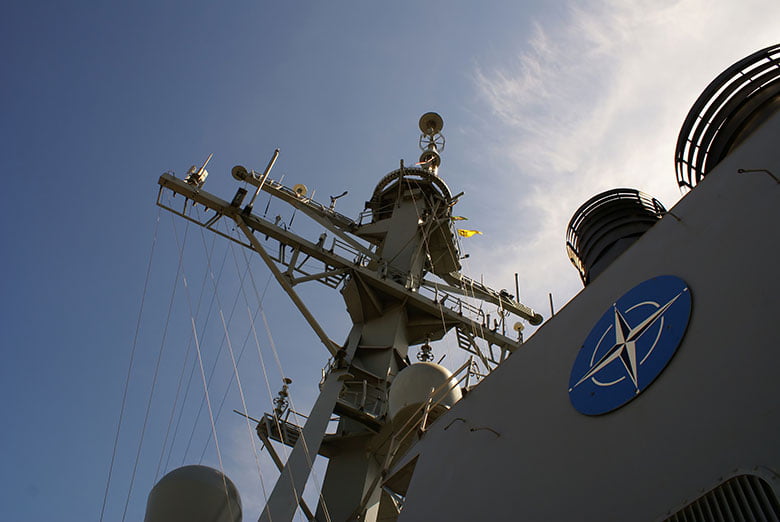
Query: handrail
[(716, 118)]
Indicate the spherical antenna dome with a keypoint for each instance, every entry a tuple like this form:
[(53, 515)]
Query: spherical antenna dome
[(412, 387), (194, 494)]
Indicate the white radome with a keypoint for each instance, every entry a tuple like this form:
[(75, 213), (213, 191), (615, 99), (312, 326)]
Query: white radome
[(412, 387)]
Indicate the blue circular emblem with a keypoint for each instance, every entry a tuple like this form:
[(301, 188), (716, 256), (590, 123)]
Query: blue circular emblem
[(630, 345)]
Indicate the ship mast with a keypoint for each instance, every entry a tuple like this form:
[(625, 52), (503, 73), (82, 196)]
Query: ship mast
[(379, 264)]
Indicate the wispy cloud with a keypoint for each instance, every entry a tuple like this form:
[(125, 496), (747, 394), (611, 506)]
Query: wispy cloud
[(594, 101)]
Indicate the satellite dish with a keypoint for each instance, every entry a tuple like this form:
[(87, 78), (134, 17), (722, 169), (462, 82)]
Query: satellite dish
[(239, 172), (431, 123), (300, 190), (518, 327)]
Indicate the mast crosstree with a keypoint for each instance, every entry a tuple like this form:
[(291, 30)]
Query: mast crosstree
[(379, 263)]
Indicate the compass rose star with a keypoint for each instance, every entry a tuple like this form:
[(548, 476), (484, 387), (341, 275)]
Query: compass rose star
[(624, 348)]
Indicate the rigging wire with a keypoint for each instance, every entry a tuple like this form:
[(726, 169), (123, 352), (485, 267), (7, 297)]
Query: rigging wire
[(187, 352), (156, 373), (213, 367), (253, 330), (205, 384), (306, 450), (481, 326), (224, 397), (173, 414), (130, 365), (240, 356), (428, 252), (235, 366), (282, 374), (472, 295), (194, 365), (186, 394)]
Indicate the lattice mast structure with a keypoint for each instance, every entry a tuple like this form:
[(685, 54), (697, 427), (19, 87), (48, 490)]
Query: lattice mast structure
[(382, 265)]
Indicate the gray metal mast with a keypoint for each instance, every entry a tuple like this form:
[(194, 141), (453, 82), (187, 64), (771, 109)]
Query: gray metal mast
[(379, 264)]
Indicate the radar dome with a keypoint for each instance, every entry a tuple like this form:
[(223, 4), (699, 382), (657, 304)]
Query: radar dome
[(194, 494), (412, 387)]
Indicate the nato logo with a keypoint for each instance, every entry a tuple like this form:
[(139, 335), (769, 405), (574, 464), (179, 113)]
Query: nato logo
[(630, 345)]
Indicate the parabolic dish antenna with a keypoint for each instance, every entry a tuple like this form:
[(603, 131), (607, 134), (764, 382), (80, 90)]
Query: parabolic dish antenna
[(431, 123)]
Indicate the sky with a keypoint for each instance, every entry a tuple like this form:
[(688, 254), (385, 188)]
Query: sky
[(544, 104)]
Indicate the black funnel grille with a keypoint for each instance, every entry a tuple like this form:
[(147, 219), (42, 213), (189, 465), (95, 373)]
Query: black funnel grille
[(725, 112), (606, 225)]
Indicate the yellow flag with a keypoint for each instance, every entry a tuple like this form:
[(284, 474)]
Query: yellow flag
[(468, 233), (458, 218)]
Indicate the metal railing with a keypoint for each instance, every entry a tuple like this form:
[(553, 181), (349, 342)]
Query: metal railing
[(717, 116), (603, 214)]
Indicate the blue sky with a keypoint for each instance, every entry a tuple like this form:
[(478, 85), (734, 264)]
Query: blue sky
[(544, 103)]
